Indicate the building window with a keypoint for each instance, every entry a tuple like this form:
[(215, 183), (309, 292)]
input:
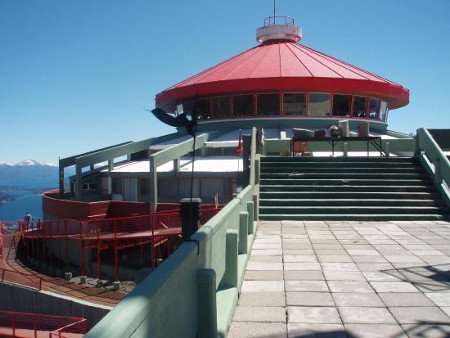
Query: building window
[(117, 185), (221, 107), (90, 186), (268, 104), (243, 105), (203, 108), (359, 106), (383, 110), (319, 104), (143, 186), (342, 105), (373, 108), (294, 104)]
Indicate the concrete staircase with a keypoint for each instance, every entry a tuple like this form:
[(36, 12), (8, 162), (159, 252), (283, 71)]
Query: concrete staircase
[(346, 188)]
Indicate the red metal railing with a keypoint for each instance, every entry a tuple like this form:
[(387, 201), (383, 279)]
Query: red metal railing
[(15, 277), (21, 324)]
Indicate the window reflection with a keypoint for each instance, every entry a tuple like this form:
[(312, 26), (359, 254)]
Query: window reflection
[(221, 107), (342, 105), (294, 104), (383, 110), (319, 104), (373, 108), (268, 104), (359, 106), (243, 105)]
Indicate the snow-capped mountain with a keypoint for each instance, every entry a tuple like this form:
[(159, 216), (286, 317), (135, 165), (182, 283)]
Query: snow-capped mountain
[(27, 163)]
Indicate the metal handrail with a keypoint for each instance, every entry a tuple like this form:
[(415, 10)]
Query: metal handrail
[(281, 19)]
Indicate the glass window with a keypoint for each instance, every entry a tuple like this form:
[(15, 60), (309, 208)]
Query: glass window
[(203, 108), (243, 105), (359, 106), (373, 108), (294, 104), (319, 104), (342, 105), (268, 104), (383, 110), (143, 186), (221, 107), (116, 185)]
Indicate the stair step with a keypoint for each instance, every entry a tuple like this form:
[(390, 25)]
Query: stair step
[(265, 210), (343, 175), (346, 195), (344, 181), (407, 170), (344, 188), (348, 202), (291, 164), (267, 159), (353, 217)]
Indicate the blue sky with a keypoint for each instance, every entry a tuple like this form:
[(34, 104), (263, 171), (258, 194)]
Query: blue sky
[(79, 75)]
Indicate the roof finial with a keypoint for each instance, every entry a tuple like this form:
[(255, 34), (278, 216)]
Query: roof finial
[(274, 7)]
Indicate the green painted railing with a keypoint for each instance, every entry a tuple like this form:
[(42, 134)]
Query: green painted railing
[(194, 292), (435, 161)]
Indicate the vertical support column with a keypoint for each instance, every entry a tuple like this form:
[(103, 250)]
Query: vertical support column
[(437, 172), (111, 164), (345, 148), (251, 216), (257, 170), (387, 148), (79, 184), (230, 277), (153, 185), (243, 232), (255, 207), (61, 179), (176, 164), (207, 305)]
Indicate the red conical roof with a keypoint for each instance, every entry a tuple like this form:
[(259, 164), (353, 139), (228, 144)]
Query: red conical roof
[(286, 66)]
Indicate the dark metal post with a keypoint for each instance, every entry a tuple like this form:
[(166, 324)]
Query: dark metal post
[(190, 213)]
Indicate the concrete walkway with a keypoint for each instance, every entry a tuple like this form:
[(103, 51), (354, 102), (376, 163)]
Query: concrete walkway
[(346, 279)]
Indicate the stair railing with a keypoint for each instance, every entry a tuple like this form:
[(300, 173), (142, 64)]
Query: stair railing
[(435, 161)]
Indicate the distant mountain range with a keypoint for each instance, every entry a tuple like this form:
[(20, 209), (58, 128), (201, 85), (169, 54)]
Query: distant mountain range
[(27, 163)]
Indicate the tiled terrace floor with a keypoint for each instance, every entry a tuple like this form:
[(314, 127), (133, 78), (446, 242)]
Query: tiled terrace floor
[(346, 279)]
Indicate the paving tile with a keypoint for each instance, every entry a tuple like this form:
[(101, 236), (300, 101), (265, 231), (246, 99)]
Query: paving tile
[(299, 258), (344, 275), (403, 259), (263, 275), (312, 314), (259, 314), (357, 300), (393, 287), (309, 298), (266, 246), (369, 259), (408, 315), (405, 299), (262, 286), (374, 330), (257, 330), (309, 330), (268, 252), (335, 259), (262, 299), (298, 252), (264, 266), (350, 286), (339, 267), (303, 275), (301, 266), (439, 298), (319, 286), (366, 315), (265, 258), (380, 276), (374, 266)]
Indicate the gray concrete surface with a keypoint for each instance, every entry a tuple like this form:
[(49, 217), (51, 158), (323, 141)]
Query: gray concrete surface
[(346, 279)]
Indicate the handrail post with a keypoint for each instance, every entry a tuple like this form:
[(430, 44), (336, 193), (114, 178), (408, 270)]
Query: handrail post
[(251, 217), (243, 232), (207, 305), (230, 277)]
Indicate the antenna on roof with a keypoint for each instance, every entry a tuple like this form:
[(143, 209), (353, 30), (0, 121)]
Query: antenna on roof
[(274, 8)]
